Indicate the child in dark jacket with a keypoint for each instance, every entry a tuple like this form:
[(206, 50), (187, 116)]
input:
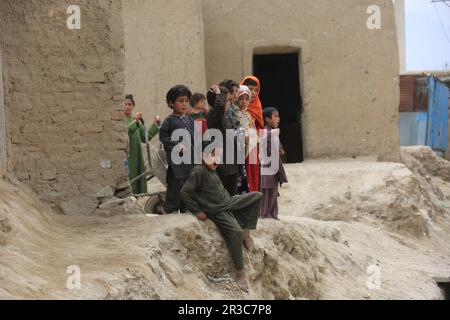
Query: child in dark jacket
[(270, 181), (231, 114), (177, 174), (235, 216), (219, 100)]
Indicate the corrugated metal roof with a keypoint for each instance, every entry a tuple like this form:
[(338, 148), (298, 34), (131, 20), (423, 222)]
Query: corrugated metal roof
[(445, 79)]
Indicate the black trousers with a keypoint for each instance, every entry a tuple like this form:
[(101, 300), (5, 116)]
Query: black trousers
[(173, 199)]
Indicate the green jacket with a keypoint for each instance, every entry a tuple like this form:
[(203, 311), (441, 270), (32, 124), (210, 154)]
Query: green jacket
[(136, 163)]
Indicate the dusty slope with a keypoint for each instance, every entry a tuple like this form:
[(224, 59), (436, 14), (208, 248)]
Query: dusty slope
[(338, 218), (140, 257)]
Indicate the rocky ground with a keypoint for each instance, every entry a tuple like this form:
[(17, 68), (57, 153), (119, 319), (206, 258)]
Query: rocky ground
[(344, 225)]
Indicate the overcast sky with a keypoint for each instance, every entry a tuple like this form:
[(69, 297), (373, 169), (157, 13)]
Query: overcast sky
[(427, 42)]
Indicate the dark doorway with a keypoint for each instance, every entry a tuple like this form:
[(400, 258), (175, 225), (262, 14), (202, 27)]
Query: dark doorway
[(280, 88), (445, 287)]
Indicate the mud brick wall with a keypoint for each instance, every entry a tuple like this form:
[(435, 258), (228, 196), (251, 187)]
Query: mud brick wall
[(63, 90), (349, 73)]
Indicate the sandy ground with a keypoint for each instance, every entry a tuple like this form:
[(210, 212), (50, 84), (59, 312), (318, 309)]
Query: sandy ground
[(338, 218)]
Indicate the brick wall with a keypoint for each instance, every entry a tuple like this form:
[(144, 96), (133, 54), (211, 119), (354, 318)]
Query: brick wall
[(63, 90)]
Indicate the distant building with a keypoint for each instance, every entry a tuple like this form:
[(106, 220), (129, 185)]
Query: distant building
[(424, 105), (333, 77)]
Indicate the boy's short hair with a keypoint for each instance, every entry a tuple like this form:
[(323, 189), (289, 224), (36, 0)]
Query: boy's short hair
[(229, 84), (211, 96), (176, 92), (196, 98), (268, 112), (250, 82)]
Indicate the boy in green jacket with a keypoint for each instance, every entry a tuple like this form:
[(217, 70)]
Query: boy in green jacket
[(206, 197)]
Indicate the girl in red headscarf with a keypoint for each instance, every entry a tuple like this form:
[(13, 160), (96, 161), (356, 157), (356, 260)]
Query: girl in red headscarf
[(256, 111), (255, 108)]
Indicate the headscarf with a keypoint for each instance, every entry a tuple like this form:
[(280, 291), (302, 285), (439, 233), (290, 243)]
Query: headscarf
[(244, 90), (255, 108)]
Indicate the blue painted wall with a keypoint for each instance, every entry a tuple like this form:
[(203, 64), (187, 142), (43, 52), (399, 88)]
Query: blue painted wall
[(427, 128), (413, 128), (437, 114)]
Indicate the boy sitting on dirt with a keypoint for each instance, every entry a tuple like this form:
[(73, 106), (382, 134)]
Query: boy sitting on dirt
[(204, 194)]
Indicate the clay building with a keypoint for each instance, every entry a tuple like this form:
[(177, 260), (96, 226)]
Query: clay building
[(334, 79)]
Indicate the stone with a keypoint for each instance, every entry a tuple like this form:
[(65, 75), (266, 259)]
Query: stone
[(81, 205), (107, 192), (187, 270), (124, 193), (336, 235), (123, 185), (132, 206), (111, 203)]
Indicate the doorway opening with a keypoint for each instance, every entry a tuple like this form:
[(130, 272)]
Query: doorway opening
[(280, 88), (444, 285)]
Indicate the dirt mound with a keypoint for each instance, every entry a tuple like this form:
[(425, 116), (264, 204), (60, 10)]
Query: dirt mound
[(141, 257), (423, 161), (337, 220), (381, 194), (280, 250), (191, 260)]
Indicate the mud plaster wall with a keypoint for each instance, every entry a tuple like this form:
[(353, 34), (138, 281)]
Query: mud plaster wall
[(349, 73), (62, 92), (164, 45), (2, 122)]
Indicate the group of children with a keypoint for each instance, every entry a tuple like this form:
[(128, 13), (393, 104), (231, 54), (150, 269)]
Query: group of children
[(230, 194)]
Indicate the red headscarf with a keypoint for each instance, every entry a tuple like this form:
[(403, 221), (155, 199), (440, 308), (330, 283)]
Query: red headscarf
[(255, 108)]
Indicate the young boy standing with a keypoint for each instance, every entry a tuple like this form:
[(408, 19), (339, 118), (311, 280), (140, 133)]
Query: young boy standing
[(178, 100), (206, 197), (269, 183)]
